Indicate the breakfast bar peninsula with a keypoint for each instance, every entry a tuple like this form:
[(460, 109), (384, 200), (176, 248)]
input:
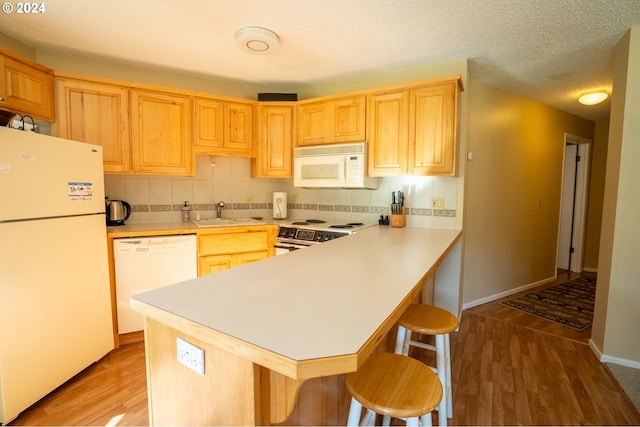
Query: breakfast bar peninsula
[(278, 335)]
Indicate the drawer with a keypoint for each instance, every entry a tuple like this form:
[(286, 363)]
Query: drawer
[(233, 243)]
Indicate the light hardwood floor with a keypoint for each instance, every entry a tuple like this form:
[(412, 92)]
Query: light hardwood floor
[(509, 368)]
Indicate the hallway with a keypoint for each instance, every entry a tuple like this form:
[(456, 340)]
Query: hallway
[(512, 368)]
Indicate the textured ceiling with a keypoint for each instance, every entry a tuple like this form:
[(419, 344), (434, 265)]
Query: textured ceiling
[(546, 50)]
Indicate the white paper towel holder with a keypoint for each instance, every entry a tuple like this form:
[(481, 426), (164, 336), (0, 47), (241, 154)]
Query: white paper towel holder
[(279, 205)]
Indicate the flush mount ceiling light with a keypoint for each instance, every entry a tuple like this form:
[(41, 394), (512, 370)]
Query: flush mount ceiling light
[(257, 40), (593, 98)]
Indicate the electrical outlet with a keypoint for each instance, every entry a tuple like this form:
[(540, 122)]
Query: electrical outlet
[(250, 198), (190, 356), (437, 203), (293, 198)]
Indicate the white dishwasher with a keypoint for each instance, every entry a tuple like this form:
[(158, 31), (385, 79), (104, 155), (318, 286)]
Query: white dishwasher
[(146, 263)]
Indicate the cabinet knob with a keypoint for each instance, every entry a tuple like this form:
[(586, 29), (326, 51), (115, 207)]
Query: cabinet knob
[(1, 98)]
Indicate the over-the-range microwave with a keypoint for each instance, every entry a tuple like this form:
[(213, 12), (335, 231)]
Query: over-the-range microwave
[(332, 166)]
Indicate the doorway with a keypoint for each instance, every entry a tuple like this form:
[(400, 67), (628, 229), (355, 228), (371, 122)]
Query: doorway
[(573, 207)]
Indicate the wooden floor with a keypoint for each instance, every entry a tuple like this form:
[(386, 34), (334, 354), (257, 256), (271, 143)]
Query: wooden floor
[(108, 393), (509, 368)]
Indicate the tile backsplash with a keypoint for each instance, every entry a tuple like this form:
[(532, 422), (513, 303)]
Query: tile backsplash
[(156, 199)]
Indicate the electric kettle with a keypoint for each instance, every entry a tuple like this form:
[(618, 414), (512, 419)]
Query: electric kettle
[(117, 211)]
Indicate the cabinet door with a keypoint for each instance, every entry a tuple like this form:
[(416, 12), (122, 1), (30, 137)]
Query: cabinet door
[(26, 89), (247, 257), (238, 125), (388, 133), (432, 141), (275, 142), (223, 250), (161, 133), (214, 263), (348, 119), (96, 113), (313, 124), (336, 120), (209, 117), (233, 242)]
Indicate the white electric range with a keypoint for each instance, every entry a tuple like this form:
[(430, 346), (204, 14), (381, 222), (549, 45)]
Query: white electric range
[(299, 234)]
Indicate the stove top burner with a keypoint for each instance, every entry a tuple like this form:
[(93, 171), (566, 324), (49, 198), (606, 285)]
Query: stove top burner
[(347, 225), (309, 222), (314, 231)]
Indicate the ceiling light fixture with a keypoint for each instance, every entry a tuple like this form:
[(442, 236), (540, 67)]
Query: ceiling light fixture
[(257, 40), (593, 98)]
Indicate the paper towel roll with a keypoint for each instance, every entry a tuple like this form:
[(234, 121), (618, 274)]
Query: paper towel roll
[(279, 205)]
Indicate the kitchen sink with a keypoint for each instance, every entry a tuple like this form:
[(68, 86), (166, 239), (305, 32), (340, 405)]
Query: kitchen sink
[(225, 222)]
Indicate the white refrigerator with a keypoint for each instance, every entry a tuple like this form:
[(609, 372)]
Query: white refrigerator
[(55, 300)]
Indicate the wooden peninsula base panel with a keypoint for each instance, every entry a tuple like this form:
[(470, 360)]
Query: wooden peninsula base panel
[(227, 394), (278, 338), (239, 393)]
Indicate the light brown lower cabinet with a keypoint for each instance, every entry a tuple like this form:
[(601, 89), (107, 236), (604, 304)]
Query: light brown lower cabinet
[(224, 248), (208, 264)]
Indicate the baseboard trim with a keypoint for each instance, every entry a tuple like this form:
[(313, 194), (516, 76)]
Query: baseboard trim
[(590, 270), (605, 358), (594, 348), (618, 361), (507, 293)]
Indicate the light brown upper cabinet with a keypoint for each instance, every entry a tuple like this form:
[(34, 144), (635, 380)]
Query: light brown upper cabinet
[(388, 133), (239, 125), (432, 129), (331, 121), (413, 130), (313, 123), (275, 141), (96, 113), (208, 129), (26, 87), (161, 137), (223, 127)]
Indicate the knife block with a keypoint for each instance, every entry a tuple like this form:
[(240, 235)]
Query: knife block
[(398, 220)]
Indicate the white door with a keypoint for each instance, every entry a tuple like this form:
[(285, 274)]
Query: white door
[(573, 208), (567, 207)]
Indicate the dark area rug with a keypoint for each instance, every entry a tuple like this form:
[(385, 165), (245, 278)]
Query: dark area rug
[(570, 303)]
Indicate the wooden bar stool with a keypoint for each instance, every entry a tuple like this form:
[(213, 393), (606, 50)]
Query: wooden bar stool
[(430, 320), (395, 386)]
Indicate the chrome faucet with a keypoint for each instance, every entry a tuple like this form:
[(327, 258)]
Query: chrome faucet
[(219, 207)]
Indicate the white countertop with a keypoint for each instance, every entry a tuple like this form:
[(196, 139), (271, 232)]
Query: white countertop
[(323, 301)]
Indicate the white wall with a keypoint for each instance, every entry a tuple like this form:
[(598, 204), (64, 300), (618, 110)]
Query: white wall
[(158, 198), (513, 191), (616, 316)]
